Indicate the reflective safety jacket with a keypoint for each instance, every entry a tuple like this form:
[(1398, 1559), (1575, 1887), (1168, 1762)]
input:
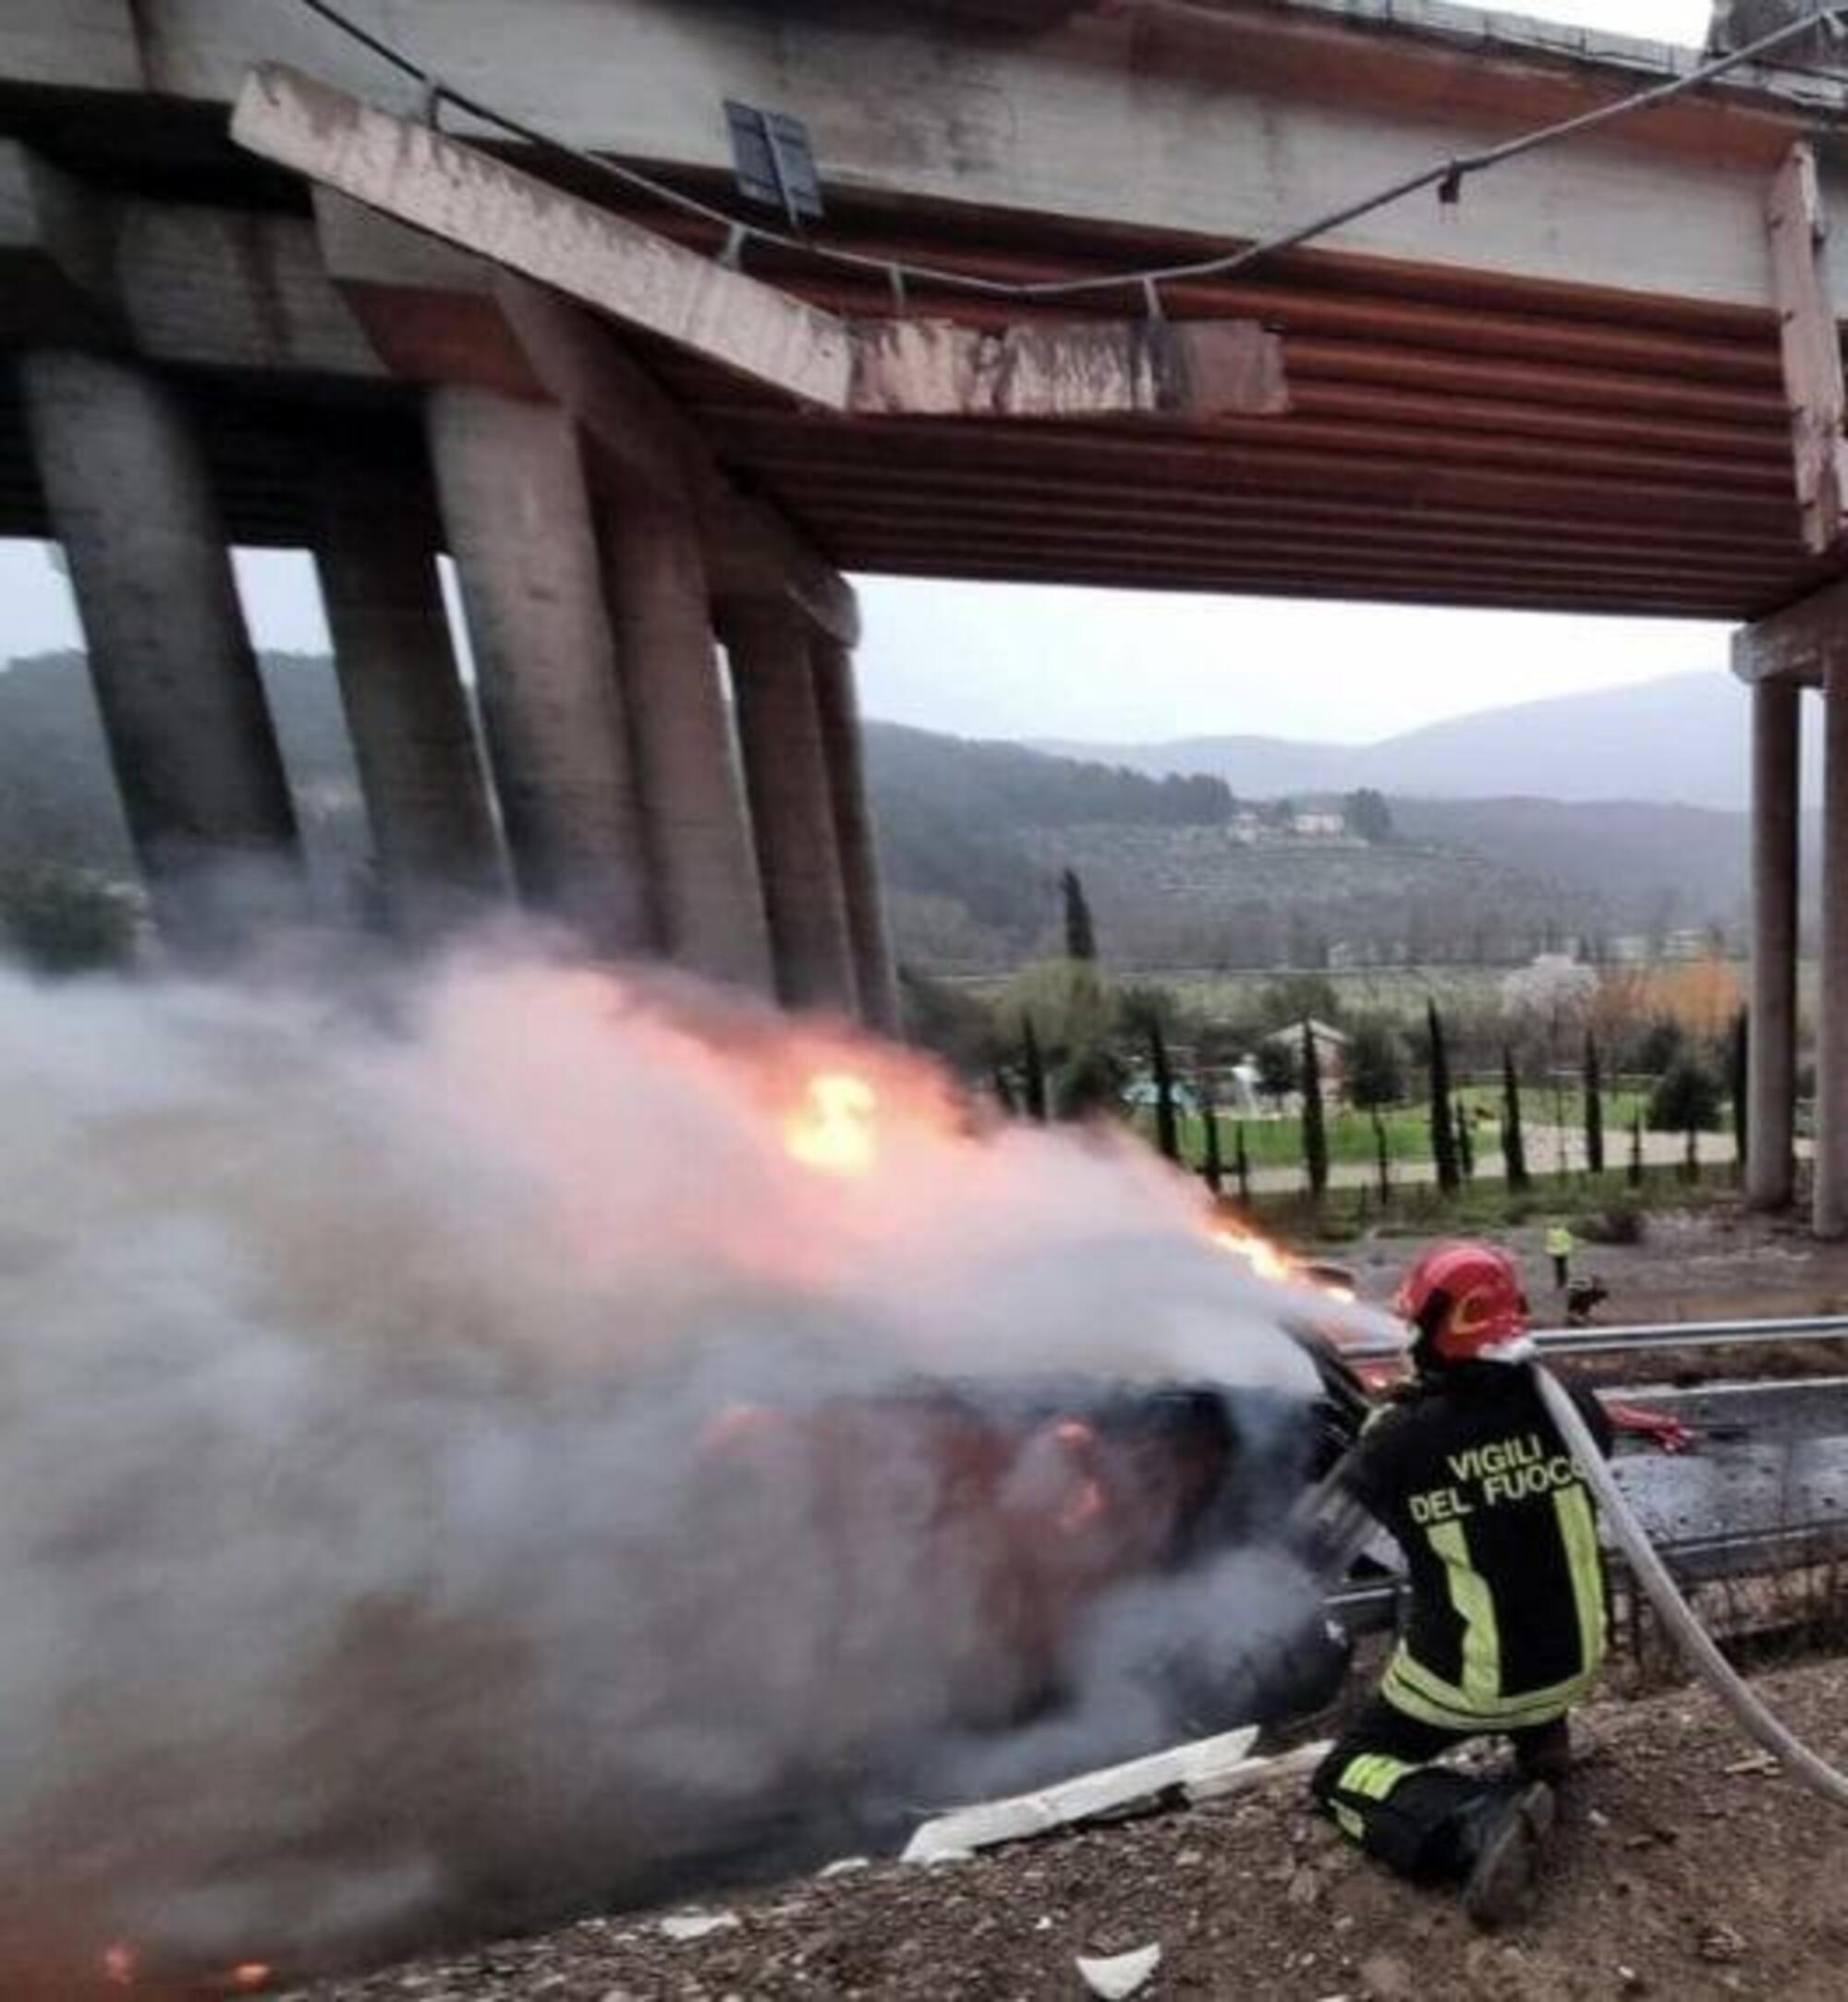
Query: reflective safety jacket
[(1559, 1242), (1508, 1613)]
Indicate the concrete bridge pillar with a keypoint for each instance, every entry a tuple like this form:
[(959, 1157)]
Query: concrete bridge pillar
[(511, 484), (838, 705), (189, 729), (1831, 1014), (699, 839), (767, 640), (433, 829), (1776, 815)]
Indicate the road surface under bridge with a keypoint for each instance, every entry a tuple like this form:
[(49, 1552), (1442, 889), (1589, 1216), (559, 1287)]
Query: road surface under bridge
[(1604, 377)]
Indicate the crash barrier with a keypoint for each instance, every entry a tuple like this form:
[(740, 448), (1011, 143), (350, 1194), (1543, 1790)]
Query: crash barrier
[(1697, 1649), (1648, 1336), (1690, 1335)]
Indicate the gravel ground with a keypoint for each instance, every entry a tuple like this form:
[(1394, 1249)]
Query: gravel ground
[(1683, 1867)]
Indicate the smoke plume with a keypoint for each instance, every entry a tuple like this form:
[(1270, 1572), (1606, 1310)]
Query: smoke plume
[(455, 1463)]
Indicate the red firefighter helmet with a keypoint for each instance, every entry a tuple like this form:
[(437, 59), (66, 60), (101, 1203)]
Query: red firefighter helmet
[(1466, 1302)]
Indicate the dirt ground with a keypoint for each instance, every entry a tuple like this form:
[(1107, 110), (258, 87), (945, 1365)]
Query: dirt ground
[(1682, 1867)]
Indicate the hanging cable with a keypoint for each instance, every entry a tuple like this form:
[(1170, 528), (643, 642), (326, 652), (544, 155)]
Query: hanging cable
[(1447, 176)]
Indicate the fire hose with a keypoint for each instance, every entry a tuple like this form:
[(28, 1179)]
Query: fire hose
[(1697, 1647)]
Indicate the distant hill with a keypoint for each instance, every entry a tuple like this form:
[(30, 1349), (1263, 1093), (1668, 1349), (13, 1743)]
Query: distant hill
[(57, 796), (1678, 741), (974, 836)]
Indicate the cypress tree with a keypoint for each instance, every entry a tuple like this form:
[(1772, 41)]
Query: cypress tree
[(1213, 1163), (1167, 1127), (1241, 1165), (1594, 1107), (1315, 1121), (1465, 1143), (1690, 1162), (1741, 1068), (1636, 1151), (1032, 1072), (1513, 1144), (1443, 1133), (1080, 932), (1383, 1153)]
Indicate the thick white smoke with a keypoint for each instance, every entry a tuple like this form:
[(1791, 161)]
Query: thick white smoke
[(405, 1522)]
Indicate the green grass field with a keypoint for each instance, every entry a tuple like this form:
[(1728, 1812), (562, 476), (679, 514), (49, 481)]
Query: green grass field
[(1277, 1143)]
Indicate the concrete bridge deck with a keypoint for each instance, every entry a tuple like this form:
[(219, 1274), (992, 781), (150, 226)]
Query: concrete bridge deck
[(1565, 391)]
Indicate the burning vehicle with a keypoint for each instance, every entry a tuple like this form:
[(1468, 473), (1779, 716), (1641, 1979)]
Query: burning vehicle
[(574, 1438), (1028, 1502)]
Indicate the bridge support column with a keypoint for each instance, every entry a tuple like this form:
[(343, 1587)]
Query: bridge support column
[(791, 806), (1776, 815), (699, 839), (511, 484), (426, 794), (838, 705), (1831, 1014), (189, 732)]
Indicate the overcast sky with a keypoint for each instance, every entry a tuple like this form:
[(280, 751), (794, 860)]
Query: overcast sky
[(993, 661)]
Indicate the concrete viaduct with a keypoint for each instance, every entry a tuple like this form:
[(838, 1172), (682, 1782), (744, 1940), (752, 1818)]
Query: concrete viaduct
[(1606, 377)]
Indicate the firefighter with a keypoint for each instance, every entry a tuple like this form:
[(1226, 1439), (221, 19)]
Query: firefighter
[(1506, 1630)]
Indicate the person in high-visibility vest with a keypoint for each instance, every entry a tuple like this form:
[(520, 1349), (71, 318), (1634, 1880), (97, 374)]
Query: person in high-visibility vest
[(1506, 1630), (1559, 1249)]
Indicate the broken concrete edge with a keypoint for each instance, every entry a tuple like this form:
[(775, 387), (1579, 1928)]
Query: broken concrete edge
[(445, 188), (1051, 369), (1208, 1769)]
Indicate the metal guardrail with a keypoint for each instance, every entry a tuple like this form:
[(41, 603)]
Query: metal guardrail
[(1651, 1336), (1690, 1335)]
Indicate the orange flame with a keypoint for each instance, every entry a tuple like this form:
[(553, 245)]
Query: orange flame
[(248, 1975), (833, 1129), (1266, 1260)]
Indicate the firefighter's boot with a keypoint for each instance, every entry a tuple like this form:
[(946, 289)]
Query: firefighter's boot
[(1503, 1842), (1545, 1753)]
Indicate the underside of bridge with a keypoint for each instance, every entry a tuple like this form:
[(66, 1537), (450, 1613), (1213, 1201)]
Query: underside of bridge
[(1447, 444), (1478, 416), (1604, 377)]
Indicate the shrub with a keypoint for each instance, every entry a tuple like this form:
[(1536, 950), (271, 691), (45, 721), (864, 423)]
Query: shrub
[(1376, 1073), (63, 921), (1687, 1100)]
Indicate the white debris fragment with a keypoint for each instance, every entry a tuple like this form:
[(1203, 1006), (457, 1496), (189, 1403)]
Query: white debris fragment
[(1120, 1975), (1203, 1770), (683, 1927), (845, 1865)]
